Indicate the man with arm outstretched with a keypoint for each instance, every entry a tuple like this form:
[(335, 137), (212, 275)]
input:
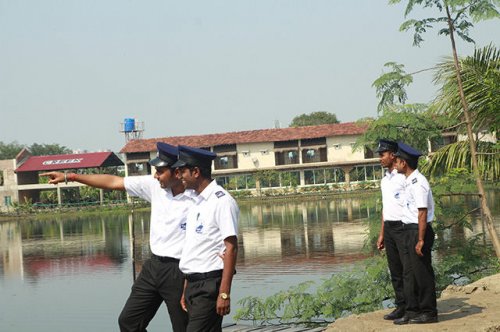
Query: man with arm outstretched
[(160, 279)]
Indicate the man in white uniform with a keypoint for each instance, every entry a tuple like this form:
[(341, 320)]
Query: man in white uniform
[(418, 213), (160, 279), (211, 233), (391, 231)]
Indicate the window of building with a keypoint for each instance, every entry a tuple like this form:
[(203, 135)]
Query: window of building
[(316, 176), (368, 153), (226, 161), (334, 175), (374, 172), (439, 142), (286, 144), (366, 173), (357, 174), (236, 182), (290, 179), (313, 155), (138, 156), (227, 157), (271, 179), (225, 148), (1, 178), (286, 157), (313, 141), (7, 200), (139, 168)]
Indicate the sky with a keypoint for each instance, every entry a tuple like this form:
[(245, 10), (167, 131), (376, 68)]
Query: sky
[(71, 70)]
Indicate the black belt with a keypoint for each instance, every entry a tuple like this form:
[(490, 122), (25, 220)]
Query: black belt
[(413, 227), (202, 276), (393, 222), (165, 259)]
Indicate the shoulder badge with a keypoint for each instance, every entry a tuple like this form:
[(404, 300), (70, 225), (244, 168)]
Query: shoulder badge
[(219, 194), (414, 181)]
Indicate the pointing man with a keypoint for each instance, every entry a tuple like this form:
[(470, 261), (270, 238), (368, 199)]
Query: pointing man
[(160, 279)]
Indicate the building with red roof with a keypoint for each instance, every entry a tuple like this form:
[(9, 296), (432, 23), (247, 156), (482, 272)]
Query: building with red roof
[(280, 157), (20, 181)]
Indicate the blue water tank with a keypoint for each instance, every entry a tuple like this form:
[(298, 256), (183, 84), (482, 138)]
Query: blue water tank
[(129, 125)]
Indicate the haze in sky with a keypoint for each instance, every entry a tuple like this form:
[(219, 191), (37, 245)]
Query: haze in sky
[(71, 71)]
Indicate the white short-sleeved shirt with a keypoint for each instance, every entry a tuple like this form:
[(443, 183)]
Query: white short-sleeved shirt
[(213, 218), (393, 191), (418, 195), (168, 214)]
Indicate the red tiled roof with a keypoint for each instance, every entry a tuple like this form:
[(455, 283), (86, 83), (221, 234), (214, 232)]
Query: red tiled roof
[(69, 161), (250, 136)]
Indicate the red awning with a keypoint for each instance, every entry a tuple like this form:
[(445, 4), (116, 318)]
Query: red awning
[(70, 161)]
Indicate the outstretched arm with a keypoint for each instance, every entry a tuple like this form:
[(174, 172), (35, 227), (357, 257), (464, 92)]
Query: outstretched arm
[(102, 181)]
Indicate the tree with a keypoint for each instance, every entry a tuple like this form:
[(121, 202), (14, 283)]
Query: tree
[(313, 119), (48, 149), (410, 123), (481, 82), (391, 86), (9, 150), (457, 155), (456, 16)]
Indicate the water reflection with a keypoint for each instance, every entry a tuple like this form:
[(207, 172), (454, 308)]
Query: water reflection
[(271, 235), (90, 257)]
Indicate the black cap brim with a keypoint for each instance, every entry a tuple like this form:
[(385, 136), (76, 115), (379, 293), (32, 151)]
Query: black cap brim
[(157, 162), (179, 163)]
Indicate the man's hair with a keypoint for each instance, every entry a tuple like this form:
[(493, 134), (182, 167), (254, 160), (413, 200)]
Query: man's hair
[(206, 172), (412, 163)]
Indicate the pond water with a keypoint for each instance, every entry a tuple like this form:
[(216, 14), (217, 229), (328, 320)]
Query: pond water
[(74, 273)]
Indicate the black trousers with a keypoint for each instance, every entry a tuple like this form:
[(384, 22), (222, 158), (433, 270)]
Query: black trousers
[(395, 248), (419, 279), (159, 281), (201, 300)]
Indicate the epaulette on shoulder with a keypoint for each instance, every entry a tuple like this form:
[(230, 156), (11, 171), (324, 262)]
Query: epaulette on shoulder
[(219, 194)]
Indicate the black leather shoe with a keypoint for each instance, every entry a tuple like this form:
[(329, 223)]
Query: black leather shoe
[(402, 321), (395, 314), (424, 318)]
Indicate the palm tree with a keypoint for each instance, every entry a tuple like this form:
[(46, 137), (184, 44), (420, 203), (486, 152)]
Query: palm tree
[(477, 80), (457, 155), (481, 83)]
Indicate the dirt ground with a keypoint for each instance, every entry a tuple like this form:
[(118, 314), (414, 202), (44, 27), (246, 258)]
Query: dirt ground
[(474, 307)]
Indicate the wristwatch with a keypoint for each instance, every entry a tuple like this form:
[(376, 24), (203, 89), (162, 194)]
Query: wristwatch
[(224, 296)]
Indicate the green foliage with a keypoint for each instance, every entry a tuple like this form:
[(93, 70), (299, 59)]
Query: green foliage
[(361, 290), (10, 150), (48, 149), (457, 155), (471, 261), (390, 86), (267, 177), (480, 75), (313, 119), (461, 13), (410, 123)]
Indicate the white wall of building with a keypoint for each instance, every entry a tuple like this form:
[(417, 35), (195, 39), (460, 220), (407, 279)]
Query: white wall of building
[(339, 149), (255, 155)]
